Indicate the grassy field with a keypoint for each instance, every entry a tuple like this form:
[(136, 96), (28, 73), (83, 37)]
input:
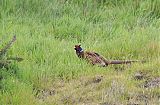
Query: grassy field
[(52, 74)]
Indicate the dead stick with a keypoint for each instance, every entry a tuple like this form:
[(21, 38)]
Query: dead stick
[(4, 50)]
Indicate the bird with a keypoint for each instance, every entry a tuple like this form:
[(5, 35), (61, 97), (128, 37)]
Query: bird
[(97, 59)]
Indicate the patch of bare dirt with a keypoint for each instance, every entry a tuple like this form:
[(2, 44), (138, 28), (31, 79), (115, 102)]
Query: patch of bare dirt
[(92, 80), (152, 83), (42, 94), (141, 98), (140, 75)]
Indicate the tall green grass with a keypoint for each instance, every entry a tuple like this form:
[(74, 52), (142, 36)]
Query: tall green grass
[(47, 31)]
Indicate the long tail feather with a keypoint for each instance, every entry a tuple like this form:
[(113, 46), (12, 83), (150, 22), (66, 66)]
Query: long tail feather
[(123, 61)]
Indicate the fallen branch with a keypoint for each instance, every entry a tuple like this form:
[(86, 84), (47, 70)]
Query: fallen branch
[(4, 62), (4, 50)]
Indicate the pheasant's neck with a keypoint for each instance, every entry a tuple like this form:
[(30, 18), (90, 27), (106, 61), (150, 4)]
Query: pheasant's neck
[(80, 54)]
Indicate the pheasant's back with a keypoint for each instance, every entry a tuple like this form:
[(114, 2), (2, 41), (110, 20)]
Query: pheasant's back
[(94, 58)]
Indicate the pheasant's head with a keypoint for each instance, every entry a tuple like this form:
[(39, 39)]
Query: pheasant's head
[(79, 51), (78, 48)]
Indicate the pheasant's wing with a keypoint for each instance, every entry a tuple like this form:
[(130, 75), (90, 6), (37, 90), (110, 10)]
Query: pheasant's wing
[(102, 58), (90, 56), (95, 58), (93, 55)]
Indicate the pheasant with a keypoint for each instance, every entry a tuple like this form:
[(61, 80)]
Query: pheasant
[(96, 59)]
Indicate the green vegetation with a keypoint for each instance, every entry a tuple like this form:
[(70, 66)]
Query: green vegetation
[(51, 73)]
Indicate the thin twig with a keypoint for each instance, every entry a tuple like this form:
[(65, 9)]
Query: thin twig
[(4, 50)]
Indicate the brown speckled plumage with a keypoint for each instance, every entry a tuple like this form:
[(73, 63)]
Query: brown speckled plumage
[(96, 59)]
